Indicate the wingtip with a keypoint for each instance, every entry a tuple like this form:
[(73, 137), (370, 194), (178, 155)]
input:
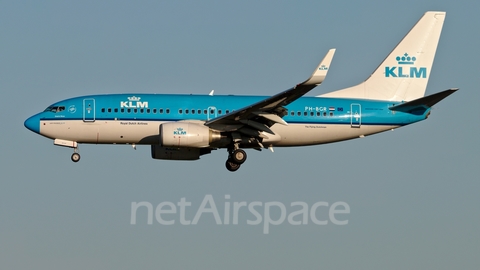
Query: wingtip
[(321, 71)]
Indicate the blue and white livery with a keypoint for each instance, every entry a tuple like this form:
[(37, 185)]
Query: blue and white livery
[(185, 127)]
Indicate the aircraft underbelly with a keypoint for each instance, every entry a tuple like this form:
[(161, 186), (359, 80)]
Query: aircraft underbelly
[(103, 132), (147, 132), (309, 134)]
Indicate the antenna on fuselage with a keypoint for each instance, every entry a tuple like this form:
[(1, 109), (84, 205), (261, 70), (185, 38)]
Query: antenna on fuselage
[(211, 93)]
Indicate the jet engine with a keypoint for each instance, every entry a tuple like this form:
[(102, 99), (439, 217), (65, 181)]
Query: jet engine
[(184, 134)]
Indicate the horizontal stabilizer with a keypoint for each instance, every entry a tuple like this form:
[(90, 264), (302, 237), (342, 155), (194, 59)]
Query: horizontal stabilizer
[(423, 102)]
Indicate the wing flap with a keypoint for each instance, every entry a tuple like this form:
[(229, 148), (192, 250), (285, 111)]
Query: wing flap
[(272, 117), (257, 125)]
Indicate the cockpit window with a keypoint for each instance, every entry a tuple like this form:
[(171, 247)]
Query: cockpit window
[(55, 109)]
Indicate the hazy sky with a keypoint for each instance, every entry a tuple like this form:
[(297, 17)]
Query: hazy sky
[(413, 193)]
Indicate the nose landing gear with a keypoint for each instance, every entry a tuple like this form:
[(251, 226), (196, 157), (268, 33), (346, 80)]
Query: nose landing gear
[(75, 156), (71, 144)]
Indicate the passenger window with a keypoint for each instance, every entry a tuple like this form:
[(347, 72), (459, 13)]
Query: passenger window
[(204, 111), (199, 111), (167, 110), (193, 111), (311, 113), (292, 113), (154, 110), (299, 113), (148, 110), (318, 113), (331, 114), (219, 111), (109, 110), (227, 111), (129, 110), (115, 110), (135, 110), (122, 110), (305, 113), (160, 111), (324, 114), (186, 111), (103, 109), (141, 110), (180, 111)]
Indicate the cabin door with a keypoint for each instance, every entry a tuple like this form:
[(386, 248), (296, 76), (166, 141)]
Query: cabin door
[(355, 115), (89, 110)]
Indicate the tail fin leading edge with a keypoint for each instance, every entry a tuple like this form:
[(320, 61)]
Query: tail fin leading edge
[(404, 74)]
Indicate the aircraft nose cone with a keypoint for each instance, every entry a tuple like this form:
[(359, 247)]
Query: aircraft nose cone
[(33, 123)]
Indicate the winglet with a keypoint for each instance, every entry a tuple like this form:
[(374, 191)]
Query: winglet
[(320, 72)]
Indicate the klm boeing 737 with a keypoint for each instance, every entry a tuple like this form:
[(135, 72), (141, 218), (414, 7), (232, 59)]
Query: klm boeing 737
[(185, 127)]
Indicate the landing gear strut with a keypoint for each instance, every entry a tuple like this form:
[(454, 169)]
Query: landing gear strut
[(236, 157)]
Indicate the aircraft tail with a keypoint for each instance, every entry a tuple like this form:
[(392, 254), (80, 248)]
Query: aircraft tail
[(404, 74)]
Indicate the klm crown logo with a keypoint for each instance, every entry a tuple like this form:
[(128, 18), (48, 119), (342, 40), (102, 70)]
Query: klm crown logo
[(179, 131), (398, 71), (134, 98), (406, 60)]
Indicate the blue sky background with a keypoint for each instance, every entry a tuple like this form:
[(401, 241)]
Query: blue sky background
[(413, 192)]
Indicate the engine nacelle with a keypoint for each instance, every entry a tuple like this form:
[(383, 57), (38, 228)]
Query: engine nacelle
[(183, 134), (172, 153)]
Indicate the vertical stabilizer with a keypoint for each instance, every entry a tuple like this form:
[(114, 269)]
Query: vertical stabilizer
[(404, 74)]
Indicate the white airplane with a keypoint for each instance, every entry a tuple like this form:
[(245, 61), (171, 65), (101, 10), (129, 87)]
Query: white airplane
[(185, 127)]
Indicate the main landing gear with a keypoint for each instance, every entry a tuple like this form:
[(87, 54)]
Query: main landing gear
[(236, 157)]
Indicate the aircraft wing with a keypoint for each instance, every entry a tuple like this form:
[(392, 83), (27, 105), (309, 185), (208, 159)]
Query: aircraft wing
[(265, 113)]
